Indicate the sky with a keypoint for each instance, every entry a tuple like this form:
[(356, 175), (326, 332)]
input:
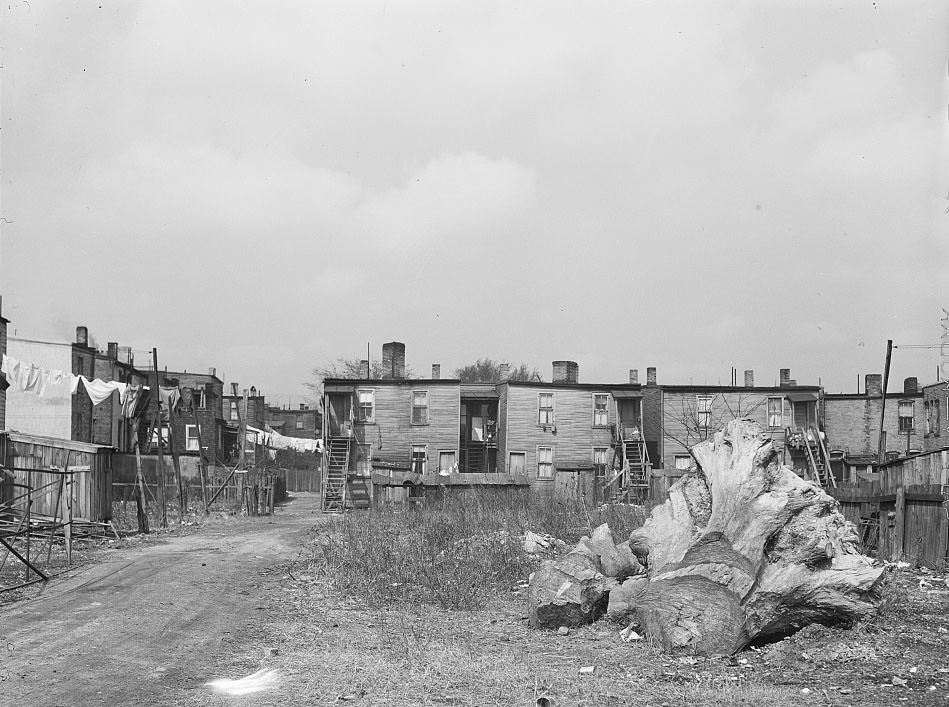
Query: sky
[(266, 187)]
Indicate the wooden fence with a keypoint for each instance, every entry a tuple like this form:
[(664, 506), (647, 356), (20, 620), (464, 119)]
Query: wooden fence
[(901, 510)]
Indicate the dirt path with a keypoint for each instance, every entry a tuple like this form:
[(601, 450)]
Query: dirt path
[(147, 624)]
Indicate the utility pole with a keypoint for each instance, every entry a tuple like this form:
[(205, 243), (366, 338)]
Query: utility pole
[(156, 414), (886, 379)]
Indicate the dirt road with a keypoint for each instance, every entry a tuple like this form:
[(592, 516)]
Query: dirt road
[(149, 626)]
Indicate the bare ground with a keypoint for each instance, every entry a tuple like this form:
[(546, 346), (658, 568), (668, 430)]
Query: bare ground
[(150, 626)]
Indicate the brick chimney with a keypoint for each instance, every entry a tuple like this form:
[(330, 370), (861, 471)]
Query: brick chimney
[(436, 371), (82, 336), (785, 377), (212, 371), (566, 372), (634, 376), (650, 375), (364, 369), (749, 379), (504, 371), (873, 384), (911, 385), (112, 349), (393, 360)]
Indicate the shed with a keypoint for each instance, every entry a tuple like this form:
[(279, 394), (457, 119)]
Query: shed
[(30, 460)]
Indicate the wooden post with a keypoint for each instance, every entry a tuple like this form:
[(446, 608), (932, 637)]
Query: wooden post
[(29, 504), (202, 462), (140, 480), (241, 458), (176, 465), (899, 524), (69, 492), (156, 422), (881, 448)]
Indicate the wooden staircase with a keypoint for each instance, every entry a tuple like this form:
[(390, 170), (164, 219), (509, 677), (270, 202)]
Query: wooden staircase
[(817, 457), (335, 471), (630, 482)]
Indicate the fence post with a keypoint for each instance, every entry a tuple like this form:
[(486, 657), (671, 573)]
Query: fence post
[(899, 523)]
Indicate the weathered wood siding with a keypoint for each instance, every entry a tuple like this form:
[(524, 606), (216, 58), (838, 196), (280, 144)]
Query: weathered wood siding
[(680, 414), (502, 427), (574, 438), (91, 490), (392, 434)]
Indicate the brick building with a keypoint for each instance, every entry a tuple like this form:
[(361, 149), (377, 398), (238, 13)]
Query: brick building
[(199, 424), (852, 422), (304, 422), (4, 384), (935, 416)]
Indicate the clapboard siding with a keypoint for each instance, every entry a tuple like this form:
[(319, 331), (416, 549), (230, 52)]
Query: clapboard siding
[(575, 436), (679, 417), (392, 433)]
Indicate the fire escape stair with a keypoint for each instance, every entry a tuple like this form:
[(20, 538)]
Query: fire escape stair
[(817, 457), (335, 471)]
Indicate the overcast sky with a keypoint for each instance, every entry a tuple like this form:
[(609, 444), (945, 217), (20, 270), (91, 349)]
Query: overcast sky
[(264, 187)]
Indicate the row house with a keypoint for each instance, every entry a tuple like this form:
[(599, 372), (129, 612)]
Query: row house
[(199, 426), (684, 415), (935, 414), (528, 432)]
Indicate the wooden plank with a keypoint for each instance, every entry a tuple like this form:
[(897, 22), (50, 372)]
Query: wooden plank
[(899, 526)]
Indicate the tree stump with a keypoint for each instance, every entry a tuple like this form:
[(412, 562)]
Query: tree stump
[(744, 549)]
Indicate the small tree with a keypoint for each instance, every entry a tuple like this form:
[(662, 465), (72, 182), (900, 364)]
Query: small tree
[(487, 370), (700, 416)]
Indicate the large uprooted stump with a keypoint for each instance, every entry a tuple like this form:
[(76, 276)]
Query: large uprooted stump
[(743, 549)]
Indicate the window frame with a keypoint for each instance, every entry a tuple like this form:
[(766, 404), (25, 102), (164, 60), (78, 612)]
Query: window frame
[(676, 458), (189, 438), (910, 426), (522, 455), (371, 417), (606, 453), (412, 458), (550, 474), (298, 422), (703, 418), (551, 410), (605, 410), (365, 450), (426, 419), (454, 455), (780, 413), (234, 412)]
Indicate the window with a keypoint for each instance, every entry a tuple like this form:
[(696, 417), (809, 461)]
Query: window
[(683, 462), (601, 456), (775, 410), (365, 409), (419, 458), (446, 462), (600, 414), (703, 408), (235, 414), (929, 416), (906, 415), (517, 463), (192, 444), (545, 462), (419, 407), (299, 423), (164, 438), (545, 408)]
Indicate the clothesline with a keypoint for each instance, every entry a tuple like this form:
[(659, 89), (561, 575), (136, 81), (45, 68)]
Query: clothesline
[(274, 440)]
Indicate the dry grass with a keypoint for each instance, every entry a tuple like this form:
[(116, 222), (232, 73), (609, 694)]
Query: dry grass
[(454, 553)]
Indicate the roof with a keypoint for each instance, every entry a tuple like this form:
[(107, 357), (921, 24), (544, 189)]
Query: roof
[(55, 442), (771, 389)]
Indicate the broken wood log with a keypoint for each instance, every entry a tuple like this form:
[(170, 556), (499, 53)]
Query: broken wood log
[(575, 590), (744, 550)]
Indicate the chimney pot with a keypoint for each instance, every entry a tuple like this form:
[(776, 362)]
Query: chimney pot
[(749, 379), (566, 372), (436, 371), (651, 375), (634, 376)]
